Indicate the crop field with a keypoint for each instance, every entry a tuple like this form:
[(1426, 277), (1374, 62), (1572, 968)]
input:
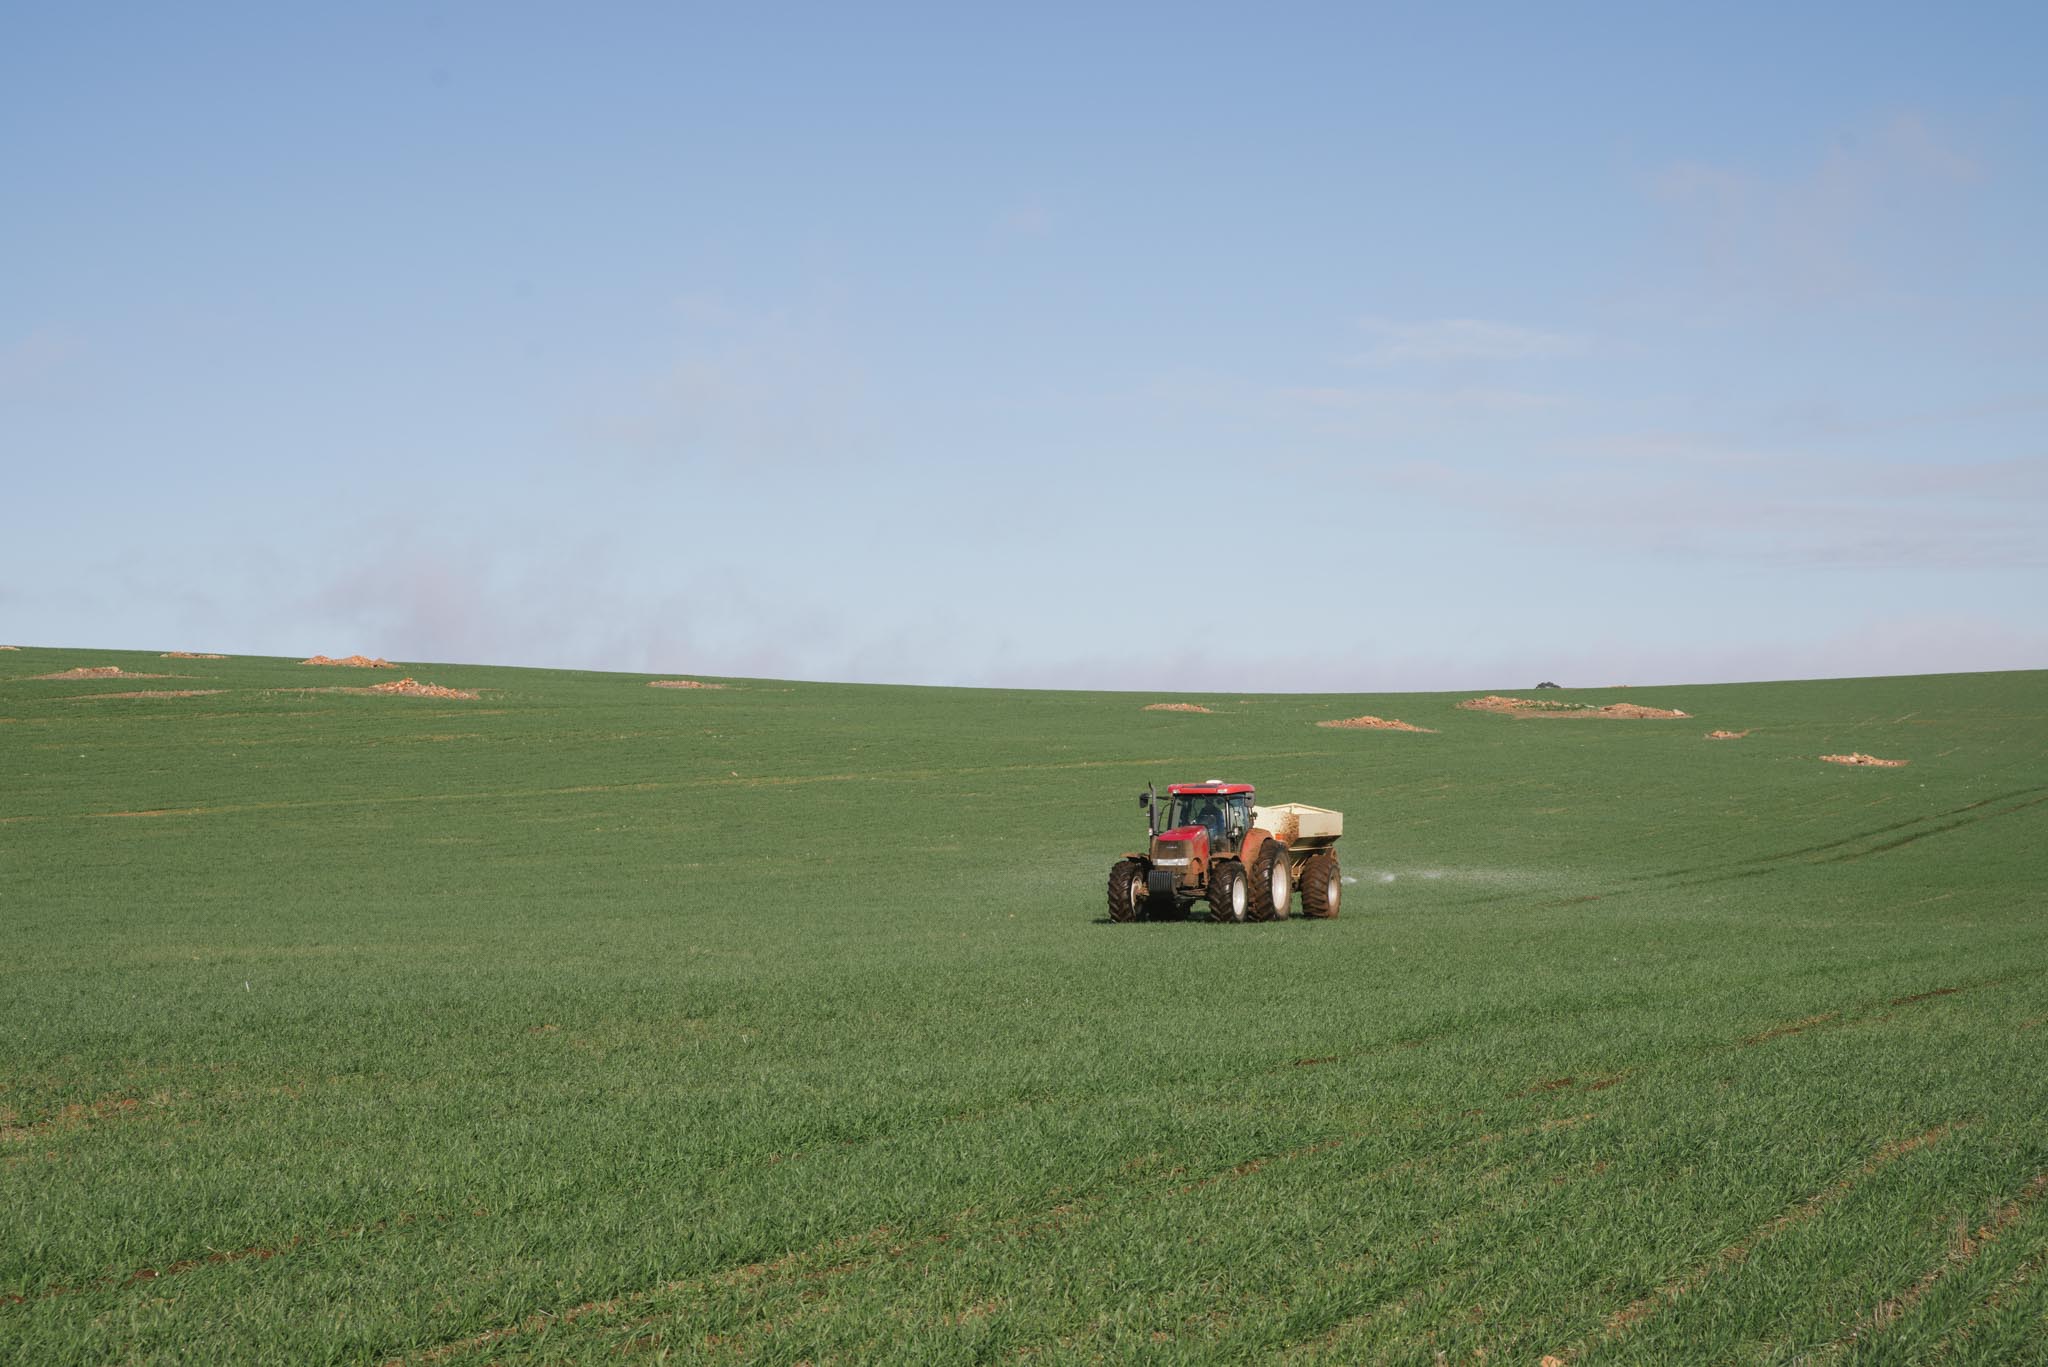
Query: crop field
[(586, 1021)]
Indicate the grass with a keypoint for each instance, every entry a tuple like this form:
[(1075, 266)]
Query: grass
[(778, 1023)]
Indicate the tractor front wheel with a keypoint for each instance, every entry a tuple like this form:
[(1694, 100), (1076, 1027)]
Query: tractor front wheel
[(1270, 890), (1229, 897), (1322, 887), (1126, 890)]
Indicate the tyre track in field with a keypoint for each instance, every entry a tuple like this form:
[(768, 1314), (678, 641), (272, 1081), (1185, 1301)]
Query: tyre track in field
[(1216, 1321), (1624, 1321), (90, 1114), (1760, 866), (1849, 848), (2013, 1281), (263, 1252), (1962, 1252), (882, 1244), (1873, 1012), (1072, 1214)]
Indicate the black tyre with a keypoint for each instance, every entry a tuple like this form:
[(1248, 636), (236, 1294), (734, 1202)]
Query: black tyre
[(1271, 891), (1322, 887), (1126, 890), (1229, 894)]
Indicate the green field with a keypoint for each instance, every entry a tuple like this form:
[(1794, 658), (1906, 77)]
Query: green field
[(780, 1023)]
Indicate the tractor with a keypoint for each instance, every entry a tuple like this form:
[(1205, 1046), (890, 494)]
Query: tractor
[(1210, 842)]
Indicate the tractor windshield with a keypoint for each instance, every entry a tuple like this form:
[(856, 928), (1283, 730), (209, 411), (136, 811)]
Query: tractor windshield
[(1222, 815)]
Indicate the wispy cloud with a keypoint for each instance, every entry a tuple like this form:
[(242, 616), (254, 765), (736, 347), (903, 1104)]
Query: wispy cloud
[(1462, 339), (34, 365), (740, 386), (1028, 218), (1451, 399), (1665, 497), (1816, 234)]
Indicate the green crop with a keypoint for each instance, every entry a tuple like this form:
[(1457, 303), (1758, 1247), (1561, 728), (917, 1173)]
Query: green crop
[(780, 1022)]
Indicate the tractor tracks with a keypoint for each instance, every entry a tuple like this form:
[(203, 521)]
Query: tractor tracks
[(1862, 844), (1624, 1321), (883, 1245)]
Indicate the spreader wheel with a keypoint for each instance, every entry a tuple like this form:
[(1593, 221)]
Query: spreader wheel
[(1126, 890), (1322, 887), (1270, 888), (1229, 896)]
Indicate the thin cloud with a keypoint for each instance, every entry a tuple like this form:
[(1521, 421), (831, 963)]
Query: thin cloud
[(1030, 218), (1455, 399), (1827, 232), (1462, 339), (36, 364), (740, 388), (1779, 510)]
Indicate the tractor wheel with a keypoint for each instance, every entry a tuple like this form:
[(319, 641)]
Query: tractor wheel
[(1126, 890), (1322, 887), (1270, 889), (1229, 895)]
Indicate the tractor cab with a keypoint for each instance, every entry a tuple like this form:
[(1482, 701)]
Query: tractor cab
[(1222, 812)]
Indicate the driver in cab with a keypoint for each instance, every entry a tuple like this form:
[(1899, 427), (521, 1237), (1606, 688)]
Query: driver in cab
[(1207, 812)]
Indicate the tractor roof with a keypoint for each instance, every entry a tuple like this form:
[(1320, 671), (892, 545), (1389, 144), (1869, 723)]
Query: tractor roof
[(1213, 786)]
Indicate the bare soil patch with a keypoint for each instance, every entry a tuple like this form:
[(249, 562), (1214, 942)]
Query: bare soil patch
[(10, 647), (682, 683), (1858, 758), (149, 693), (188, 655), (1175, 707), (352, 662), (67, 1117), (413, 688), (1726, 735), (1546, 707), (100, 672), (1372, 723)]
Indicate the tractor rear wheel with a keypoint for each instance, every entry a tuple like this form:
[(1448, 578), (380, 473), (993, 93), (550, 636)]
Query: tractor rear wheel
[(1322, 887), (1126, 890), (1270, 889), (1229, 895)]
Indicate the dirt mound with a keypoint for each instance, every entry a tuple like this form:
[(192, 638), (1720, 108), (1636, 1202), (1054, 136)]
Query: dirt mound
[(413, 688), (1726, 735), (100, 672), (1175, 707), (188, 655), (1545, 707), (150, 693), (10, 647), (1860, 758), (681, 683), (1372, 723), (351, 661)]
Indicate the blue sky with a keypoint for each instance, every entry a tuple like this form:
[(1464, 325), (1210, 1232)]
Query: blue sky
[(1298, 347)]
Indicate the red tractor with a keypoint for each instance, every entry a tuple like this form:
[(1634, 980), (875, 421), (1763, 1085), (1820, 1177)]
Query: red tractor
[(1211, 843)]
